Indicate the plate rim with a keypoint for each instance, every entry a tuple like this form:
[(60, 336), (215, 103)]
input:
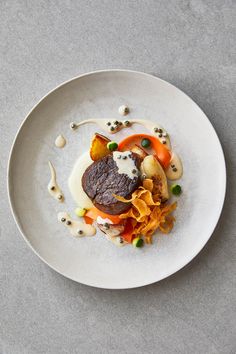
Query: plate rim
[(181, 265)]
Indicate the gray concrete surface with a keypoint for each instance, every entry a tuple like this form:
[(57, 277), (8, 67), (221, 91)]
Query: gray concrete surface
[(192, 45)]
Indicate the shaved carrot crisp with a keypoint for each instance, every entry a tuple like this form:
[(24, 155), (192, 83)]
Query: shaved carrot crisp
[(147, 213)]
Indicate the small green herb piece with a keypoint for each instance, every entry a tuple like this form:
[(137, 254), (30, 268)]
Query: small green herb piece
[(80, 212), (137, 242), (146, 143), (112, 145), (176, 189)]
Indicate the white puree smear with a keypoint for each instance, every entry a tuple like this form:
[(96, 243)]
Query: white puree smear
[(110, 126), (116, 240), (125, 163), (53, 187), (102, 221), (75, 181), (175, 169), (113, 126), (60, 141), (76, 228)]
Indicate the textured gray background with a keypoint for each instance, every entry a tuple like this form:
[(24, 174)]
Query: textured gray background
[(192, 45)]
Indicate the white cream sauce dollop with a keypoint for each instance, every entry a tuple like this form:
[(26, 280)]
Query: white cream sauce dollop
[(60, 141), (175, 168), (75, 181), (125, 163), (76, 228), (123, 110), (53, 188)]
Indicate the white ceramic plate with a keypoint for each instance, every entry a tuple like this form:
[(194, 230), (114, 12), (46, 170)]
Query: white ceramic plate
[(95, 261)]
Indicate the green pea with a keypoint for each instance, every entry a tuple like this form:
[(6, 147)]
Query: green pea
[(137, 242), (112, 145), (146, 143), (176, 189)]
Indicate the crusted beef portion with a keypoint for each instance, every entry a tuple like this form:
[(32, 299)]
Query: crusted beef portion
[(101, 180)]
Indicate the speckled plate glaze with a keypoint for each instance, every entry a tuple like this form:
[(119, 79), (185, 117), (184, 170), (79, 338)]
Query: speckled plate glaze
[(95, 261)]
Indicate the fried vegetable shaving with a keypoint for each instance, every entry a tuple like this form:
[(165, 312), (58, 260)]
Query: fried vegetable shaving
[(147, 213)]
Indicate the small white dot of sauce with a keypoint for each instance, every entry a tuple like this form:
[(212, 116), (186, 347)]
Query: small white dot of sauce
[(60, 141), (123, 110), (73, 125)]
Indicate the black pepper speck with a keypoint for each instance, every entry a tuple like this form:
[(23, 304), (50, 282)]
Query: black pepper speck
[(106, 225)]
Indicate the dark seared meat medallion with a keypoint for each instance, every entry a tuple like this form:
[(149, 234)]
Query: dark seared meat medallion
[(101, 180)]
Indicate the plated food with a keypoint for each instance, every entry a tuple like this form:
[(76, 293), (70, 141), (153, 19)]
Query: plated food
[(122, 187), (93, 260)]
